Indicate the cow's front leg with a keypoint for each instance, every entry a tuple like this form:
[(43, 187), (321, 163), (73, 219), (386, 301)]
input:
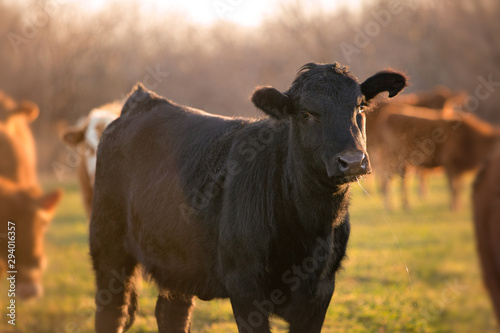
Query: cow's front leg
[(251, 315), (314, 323)]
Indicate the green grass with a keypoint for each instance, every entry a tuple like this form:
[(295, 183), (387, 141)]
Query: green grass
[(373, 292)]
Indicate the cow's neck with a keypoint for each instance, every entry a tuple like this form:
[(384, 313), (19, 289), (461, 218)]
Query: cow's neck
[(322, 204)]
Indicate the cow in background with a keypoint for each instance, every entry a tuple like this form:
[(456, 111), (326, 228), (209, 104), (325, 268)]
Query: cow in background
[(21, 199), (17, 147), (439, 98), (439, 103), (486, 202), (444, 101), (414, 137), (31, 211), (84, 137)]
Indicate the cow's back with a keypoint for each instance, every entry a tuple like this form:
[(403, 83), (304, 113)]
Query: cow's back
[(416, 140), (471, 142)]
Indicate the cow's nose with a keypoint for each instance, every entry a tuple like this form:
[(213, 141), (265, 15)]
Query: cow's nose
[(353, 163), (27, 290)]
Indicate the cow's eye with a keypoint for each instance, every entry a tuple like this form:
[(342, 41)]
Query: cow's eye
[(361, 109), (305, 115)]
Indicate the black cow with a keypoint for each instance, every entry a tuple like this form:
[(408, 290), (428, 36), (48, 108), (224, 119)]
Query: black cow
[(217, 207)]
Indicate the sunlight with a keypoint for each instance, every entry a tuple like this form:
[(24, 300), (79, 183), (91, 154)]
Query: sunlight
[(242, 12)]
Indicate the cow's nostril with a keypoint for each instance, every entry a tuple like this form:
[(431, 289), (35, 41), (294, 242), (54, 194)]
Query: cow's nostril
[(353, 163), (364, 163), (29, 290), (343, 164)]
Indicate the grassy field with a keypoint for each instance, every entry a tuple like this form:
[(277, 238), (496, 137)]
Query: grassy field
[(374, 293)]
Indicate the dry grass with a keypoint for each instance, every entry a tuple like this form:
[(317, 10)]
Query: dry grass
[(373, 292)]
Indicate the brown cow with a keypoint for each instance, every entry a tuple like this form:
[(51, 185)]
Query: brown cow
[(84, 137), (31, 212), (376, 135), (17, 147), (415, 137), (439, 102), (21, 199), (486, 200), (444, 101)]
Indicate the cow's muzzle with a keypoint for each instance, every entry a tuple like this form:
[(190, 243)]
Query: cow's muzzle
[(348, 164), (26, 290)]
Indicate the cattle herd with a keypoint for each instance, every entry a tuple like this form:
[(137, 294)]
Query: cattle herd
[(221, 207)]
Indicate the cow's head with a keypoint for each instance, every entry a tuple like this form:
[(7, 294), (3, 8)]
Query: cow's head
[(325, 105), (31, 211), (85, 137)]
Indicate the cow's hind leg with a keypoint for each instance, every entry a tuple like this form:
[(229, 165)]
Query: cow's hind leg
[(404, 191), (173, 313), (116, 272), (133, 303), (116, 297), (385, 190), (455, 184), (423, 178)]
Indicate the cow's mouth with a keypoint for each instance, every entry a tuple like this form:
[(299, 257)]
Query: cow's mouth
[(347, 180)]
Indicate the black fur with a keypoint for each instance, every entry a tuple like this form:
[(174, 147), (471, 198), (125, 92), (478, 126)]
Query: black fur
[(220, 207), (389, 81)]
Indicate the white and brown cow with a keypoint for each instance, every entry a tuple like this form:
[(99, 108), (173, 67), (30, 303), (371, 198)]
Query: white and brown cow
[(84, 137)]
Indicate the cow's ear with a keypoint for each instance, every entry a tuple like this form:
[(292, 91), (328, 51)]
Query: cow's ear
[(274, 103), (392, 82), (72, 136), (48, 203), (29, 109)]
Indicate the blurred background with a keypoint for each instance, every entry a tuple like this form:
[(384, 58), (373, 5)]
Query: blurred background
[(71, 56)]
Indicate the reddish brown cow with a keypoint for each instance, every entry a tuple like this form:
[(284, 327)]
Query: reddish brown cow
[(385, 169), (17, 148), (407, 138), (443, 100), (31, 212), (21, 199), (486, 200), (439, 102)]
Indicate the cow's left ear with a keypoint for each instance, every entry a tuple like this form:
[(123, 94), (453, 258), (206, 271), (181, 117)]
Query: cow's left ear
[(48, 203), (392, 82), (29, 109), (72, 136), (273, 102)]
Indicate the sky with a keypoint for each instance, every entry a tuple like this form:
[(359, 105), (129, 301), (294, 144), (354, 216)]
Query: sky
[(248, 13)]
